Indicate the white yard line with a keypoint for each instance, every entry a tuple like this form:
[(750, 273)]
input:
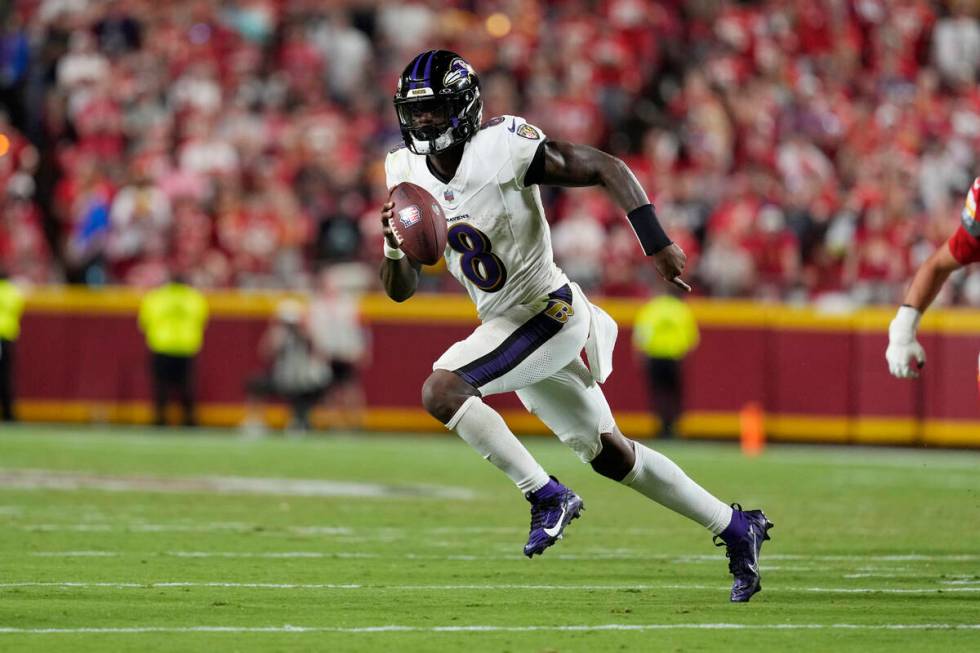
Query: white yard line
[(276, 554), (865, 571), (137, 527), (74, 554), (481, 587), (115, 585), (877, 575), (905, 557), (47, 479), (125, 630), (638, 554)]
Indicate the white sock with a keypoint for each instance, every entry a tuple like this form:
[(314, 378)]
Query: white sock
[(657, 477), (485, 430)]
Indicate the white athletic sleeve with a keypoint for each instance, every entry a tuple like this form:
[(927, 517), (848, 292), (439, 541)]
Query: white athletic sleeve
[(523, 141)]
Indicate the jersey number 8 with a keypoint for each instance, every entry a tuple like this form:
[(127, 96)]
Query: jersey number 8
[(480, 265)]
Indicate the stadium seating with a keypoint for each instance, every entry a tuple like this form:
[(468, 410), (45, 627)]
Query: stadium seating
[(796, 150)]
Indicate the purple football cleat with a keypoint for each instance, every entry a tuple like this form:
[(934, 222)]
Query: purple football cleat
[(553, 507), (743, 541)]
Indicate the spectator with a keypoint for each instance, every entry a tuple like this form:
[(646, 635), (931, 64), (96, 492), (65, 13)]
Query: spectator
[(139, 222), (84, 202), (957, 44), (173, 318), (82, 69), (285, 105), (15, 59), (117, 31), (579, 241)]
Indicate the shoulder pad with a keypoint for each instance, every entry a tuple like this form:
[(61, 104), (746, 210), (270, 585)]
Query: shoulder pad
[(493, 122), (400, 146), (969, 216)]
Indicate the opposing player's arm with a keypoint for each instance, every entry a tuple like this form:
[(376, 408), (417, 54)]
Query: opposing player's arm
[(399, 274), (903, 345), (905, 356), (930, 277), (559, 163)]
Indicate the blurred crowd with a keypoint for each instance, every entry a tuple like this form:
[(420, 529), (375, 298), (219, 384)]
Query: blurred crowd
[(796, 149)]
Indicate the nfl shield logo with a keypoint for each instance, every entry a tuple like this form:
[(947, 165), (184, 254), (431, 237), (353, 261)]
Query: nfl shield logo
[(448, 195), (410, 215)]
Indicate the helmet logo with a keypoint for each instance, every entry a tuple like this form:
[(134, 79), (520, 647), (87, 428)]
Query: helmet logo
[(459, 72)]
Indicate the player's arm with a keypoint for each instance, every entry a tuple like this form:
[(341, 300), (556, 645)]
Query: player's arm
[(559, 163), (903, 347), (929, 279), (963, 248), (399, 274)]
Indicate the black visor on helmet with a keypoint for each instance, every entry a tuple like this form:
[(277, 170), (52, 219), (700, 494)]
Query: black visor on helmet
[(429, 117), (438, 102)]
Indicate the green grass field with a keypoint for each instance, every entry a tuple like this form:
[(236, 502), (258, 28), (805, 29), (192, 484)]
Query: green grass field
[(142, 540)]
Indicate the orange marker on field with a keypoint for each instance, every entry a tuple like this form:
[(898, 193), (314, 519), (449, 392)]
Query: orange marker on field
[(752, 425)]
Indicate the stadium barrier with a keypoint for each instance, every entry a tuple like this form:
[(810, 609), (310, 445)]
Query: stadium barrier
[(819, 377)]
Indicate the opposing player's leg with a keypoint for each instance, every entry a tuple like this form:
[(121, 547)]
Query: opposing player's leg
[(502, 355), (575, 409)]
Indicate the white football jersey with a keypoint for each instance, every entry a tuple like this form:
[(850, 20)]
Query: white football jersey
[(499, 244)]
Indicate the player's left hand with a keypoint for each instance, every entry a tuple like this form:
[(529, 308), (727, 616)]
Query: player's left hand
[(670, 262)]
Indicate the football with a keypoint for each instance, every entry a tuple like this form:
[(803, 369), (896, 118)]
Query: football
[(418, 222)]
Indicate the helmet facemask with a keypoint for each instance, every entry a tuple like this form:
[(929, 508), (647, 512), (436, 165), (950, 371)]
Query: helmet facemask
[(432, 125), (438, 102)]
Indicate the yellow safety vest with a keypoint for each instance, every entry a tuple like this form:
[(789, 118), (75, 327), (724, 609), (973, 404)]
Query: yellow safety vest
[(173, 318), (11, 308), (665, 328)]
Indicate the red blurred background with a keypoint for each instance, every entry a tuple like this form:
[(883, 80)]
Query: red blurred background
[(802, 152)]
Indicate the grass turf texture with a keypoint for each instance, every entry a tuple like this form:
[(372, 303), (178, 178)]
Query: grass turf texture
[(869, 538)]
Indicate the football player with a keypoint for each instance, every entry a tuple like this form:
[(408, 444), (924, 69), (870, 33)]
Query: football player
[(961, 249), (534, 322)]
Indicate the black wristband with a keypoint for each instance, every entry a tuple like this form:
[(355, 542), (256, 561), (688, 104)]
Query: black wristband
[(648, 231)]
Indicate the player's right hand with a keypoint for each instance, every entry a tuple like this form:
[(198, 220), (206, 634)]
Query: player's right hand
[(386, 215), (902, 350)]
